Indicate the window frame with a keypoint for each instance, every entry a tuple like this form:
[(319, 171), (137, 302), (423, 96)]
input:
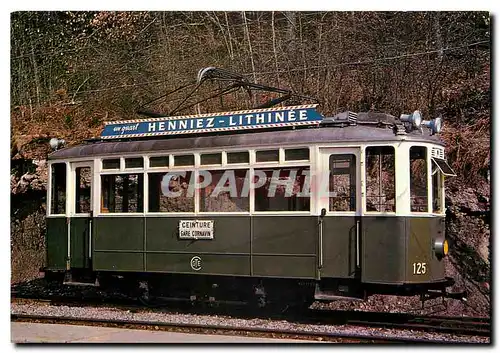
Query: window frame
[(212, 164), (250, 166), (74, 166), (428, 182), (101, 168), (365, 179), (148, 158), (279, 160), (134, 168), (121, 214), (165, 213), (277, 212), (284, 160), (225, 160), (357, 156), (196, 159), (198, 196), (441, 190), (49, 213)]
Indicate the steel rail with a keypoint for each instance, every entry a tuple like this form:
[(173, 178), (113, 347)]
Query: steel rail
[(471, 326), (471, 331), (221, 329)]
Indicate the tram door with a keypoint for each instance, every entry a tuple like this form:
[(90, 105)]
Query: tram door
[(80, 220), (340, 196)]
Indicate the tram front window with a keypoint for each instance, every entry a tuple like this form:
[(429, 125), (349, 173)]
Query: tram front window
[(418, 179), (380, 179), (437, 190)]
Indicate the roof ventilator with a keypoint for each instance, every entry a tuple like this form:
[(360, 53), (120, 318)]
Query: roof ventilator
[(343, 119), (399, 129), (382, 120)]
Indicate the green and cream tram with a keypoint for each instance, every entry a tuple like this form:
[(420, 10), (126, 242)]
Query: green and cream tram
[(269, 204)]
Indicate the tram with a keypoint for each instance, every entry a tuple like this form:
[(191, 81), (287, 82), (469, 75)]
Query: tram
[(264, 205)]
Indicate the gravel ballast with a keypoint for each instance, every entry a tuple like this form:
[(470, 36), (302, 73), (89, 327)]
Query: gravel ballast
[(108, 313)]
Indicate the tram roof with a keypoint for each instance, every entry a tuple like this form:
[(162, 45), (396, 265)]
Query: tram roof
[(306, 136)]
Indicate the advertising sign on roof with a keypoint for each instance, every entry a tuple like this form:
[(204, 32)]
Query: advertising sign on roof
[(227, 121)]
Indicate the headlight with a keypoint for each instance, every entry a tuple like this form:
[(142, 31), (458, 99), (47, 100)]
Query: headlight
[(445, 247), (441, 247)]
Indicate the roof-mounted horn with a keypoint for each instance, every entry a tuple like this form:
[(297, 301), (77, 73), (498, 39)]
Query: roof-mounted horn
[(435, 125), (415, 119)]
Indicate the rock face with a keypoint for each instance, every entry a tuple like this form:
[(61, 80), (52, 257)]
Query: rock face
[(30, 181), (28, 189), (468, 229)]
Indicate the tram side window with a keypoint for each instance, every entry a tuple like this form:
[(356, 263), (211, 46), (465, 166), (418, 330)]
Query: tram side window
[(282, 189), (122, 193), (418, 179), (83, 182), (111, 163), (211, 158), (161, 161), (297, 154), (380, 179), (184, 160), (134, 162), (437, 190), (58, 189), (238, 157), (342, 182), (267, 156), (170, 192), (225, 192)]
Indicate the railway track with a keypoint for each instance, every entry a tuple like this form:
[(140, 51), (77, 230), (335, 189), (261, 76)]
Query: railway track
[(224, 330), (334, 318), (56, 295), (471, 326)]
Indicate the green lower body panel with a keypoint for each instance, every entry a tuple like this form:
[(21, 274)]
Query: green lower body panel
[(284, 246), (118, 261), (339, 247), (400, 250), (391, 250), (383, 243), (214, 264), (241, 246), (423, 265), (79, 229), (288, 266), (57, 242), (119, 244)]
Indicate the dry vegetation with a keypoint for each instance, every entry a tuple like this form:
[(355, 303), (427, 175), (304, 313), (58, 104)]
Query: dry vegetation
[(71, 71)]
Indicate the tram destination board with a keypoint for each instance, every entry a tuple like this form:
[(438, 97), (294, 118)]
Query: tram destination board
[(227, 121), (196, 229)]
